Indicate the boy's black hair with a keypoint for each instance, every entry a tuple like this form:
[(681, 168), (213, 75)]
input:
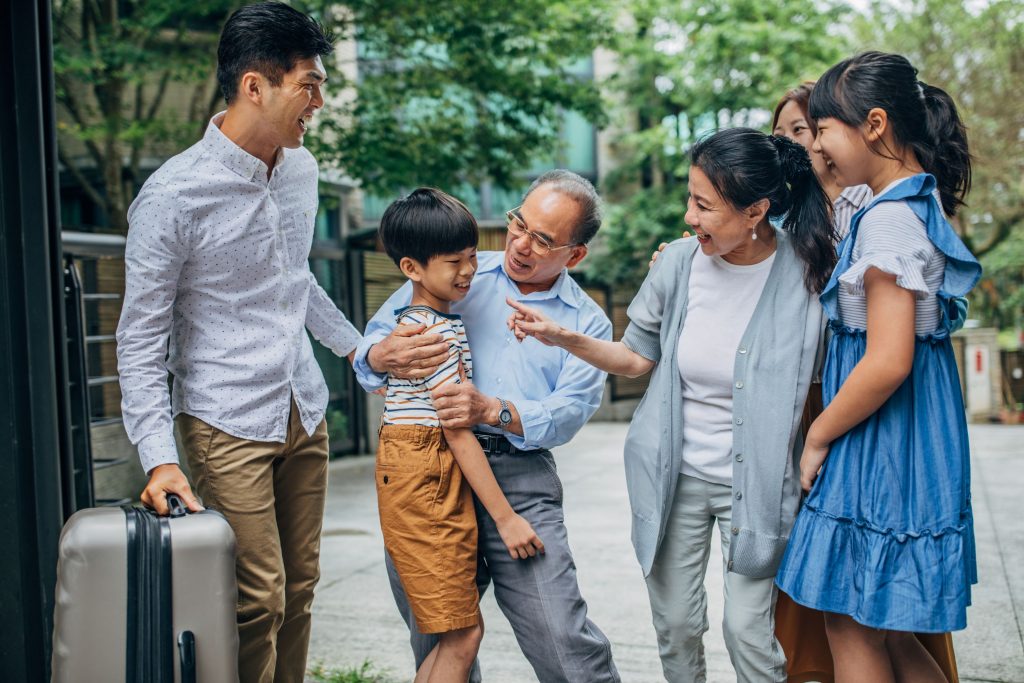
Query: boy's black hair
[(268, 37), (745, 165), (923, 117), (425, 224)]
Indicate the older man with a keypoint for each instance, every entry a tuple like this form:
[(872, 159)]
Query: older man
[(524, 400)]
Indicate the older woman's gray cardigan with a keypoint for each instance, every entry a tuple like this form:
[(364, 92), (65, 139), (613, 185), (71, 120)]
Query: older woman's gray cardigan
[(775, 363)]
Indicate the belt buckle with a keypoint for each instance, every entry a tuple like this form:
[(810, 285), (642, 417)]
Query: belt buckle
[(493, 444), (485, 441)]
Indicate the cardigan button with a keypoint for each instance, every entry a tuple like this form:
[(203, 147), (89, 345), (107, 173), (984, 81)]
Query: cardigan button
[(743, 349), (739, 385), (739, 495), (735, 531), (739, 420), (739, 457)]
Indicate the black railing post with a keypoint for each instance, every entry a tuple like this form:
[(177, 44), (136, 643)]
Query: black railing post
[(77, 464)]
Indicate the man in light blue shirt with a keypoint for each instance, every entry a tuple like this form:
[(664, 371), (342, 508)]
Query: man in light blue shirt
[(524, 400)]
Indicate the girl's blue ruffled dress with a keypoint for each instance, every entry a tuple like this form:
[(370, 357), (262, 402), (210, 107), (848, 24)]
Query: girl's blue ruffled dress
[(886, 534)]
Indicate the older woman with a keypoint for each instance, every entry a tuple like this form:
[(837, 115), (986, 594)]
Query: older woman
[(731, 324)]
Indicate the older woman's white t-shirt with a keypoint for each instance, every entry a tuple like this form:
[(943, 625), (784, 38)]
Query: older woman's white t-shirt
[(721, 301)]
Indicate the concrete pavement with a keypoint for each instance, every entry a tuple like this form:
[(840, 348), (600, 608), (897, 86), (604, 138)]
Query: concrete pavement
[(354, 618)]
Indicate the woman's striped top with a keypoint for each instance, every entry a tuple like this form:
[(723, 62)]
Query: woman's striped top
[(408, 401)]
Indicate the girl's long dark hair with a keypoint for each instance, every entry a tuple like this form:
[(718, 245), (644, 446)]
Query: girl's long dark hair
[(923, 117), (745, 166)]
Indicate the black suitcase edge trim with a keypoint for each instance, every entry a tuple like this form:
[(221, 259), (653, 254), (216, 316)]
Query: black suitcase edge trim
[(164, 620), (133, 596)]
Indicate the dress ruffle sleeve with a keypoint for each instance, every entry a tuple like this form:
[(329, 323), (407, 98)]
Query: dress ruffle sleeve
[(894, 240), (909, 272)]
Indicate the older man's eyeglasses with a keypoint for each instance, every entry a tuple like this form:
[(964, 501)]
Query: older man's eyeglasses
[(540, 244)]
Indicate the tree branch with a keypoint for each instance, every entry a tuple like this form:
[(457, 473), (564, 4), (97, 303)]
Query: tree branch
[(89, 188), (133, 162), (216, 94), (1002, 230), (211, 106), (158, 98), (71, 104)]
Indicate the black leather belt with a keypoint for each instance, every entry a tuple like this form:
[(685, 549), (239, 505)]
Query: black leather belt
[(495, 443)]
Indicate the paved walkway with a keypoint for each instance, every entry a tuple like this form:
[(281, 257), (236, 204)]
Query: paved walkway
[(354, 618)]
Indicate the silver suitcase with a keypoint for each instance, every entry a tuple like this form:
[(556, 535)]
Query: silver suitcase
[(146, 599)]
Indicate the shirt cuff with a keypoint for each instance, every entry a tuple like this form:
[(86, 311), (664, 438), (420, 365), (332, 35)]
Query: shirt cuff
[(639, 340), (157, 449), (345, 340), (534, 418), (367, 378)]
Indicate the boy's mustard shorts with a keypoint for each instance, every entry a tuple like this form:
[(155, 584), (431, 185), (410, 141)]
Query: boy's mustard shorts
[(429, 525)]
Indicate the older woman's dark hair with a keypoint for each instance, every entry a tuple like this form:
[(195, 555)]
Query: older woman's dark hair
[(745, 166), (923, 117), (269, 38), (801, 95)]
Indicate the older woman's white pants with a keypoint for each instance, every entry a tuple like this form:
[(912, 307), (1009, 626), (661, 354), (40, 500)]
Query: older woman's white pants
[(679, 600)]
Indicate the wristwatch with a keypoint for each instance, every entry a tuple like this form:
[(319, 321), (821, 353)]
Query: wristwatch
[(504, 415)]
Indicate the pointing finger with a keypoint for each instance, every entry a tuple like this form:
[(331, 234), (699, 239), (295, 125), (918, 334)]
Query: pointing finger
[(519, 306)]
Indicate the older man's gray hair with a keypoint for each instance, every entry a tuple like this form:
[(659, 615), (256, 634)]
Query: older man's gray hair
[(579, 189)]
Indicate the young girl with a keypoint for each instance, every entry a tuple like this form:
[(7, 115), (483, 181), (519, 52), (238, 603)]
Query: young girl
[(884, 543)]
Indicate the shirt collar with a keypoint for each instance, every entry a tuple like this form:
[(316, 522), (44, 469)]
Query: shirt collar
[(231, 155), (856, 196), (564, 287)]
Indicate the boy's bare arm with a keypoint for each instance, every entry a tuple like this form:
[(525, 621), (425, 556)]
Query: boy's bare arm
[(516, 532)]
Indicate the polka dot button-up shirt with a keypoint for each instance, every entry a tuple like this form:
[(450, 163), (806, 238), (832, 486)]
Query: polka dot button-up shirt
[(219, 293)]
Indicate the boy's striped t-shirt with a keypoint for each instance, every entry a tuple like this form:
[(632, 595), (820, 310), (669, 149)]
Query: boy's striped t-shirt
[(408, 401)]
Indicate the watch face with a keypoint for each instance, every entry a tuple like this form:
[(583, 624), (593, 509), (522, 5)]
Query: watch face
[(505, 416)]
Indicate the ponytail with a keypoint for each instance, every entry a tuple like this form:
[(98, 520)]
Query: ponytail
[(808, 214), (923, 117), (746, 166), (944, 152)]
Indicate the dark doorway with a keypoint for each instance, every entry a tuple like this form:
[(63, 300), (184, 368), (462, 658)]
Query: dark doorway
[(34, 402)]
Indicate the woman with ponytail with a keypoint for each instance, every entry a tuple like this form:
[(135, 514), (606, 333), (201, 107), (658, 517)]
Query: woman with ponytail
[(730, 323), (884, 543)]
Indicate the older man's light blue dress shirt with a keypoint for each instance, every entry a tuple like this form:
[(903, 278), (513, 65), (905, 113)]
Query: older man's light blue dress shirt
[(554, 392)]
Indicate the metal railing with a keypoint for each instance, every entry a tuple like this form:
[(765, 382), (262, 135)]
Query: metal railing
[(79, 249), (92, 298)]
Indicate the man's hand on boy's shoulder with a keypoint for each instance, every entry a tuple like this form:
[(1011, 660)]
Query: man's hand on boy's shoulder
[(407, 353), (462, 406)]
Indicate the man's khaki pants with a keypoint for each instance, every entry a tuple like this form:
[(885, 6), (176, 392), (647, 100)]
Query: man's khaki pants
[(273, 495)]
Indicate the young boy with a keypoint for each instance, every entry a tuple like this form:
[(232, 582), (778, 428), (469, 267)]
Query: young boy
[(424, 471)]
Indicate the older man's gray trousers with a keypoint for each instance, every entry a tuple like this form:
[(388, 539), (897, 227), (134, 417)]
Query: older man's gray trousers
[(540, 596)]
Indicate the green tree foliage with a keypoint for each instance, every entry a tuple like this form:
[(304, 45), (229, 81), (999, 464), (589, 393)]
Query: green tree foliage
[(687, 68), (975, 51), (461, 90), (447, 92), (130, 77)]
